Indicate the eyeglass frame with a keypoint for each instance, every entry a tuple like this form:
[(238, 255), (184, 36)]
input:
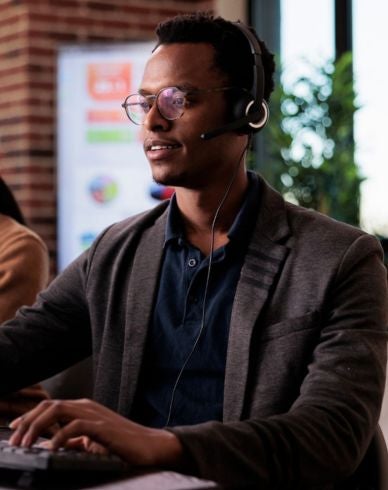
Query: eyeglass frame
[(154, 98)]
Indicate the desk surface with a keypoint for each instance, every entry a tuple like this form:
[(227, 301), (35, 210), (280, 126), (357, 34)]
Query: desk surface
[(161, 480)]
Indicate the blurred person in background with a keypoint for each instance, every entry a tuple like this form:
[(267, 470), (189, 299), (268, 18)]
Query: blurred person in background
[(24, 272)]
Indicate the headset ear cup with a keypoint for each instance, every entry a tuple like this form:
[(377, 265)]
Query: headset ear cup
[(256, 125), (240, 105)]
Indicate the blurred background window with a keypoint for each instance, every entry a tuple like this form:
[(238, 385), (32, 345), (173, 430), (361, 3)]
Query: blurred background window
[(307, 33), (308, 38), (371, 72)]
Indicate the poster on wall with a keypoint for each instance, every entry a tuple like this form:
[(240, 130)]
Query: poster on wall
[(103, 175)]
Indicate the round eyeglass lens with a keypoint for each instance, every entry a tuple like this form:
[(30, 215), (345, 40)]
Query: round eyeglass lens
[(137, 107), (171, 102)]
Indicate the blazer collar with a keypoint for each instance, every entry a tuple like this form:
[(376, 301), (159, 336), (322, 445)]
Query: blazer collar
[(262, 265), (144, 278)]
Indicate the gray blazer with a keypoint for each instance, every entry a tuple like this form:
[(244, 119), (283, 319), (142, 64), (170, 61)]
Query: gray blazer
[(306, 354)]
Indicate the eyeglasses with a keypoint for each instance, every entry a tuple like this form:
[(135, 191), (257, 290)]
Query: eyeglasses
[(170, 101)]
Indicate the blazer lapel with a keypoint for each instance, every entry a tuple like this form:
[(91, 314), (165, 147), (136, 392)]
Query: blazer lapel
[(262, 265), (143, 283)]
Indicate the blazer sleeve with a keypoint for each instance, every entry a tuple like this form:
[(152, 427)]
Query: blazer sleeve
[(326, 432), (49, 336)]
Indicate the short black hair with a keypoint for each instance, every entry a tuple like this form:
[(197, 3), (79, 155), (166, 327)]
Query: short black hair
[(8, 204), (233, 55)]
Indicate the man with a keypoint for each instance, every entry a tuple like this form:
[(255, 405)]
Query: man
[(234, 335)]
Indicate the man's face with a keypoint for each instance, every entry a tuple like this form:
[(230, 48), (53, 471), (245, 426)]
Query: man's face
[(177, 154)]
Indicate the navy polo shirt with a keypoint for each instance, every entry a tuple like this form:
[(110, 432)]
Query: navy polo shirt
[(177, 319)]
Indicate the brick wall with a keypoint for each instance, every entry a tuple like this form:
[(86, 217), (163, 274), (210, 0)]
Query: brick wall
[(30, 33)]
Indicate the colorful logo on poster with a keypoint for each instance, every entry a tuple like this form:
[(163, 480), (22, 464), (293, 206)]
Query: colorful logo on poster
[(109, 81), (103, 189)]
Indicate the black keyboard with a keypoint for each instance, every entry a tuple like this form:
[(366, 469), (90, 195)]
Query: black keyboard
[(38, 458)]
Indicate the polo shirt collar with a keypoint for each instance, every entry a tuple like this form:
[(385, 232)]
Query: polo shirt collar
[(242, 224)]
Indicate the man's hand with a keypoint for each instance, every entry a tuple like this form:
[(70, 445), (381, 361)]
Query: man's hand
[(93, 423)]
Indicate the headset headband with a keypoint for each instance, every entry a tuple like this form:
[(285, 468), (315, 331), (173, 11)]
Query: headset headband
[(257, 89)]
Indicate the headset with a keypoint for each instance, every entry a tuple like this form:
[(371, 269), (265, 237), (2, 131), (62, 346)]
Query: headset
[(250, 110), (250, 114)]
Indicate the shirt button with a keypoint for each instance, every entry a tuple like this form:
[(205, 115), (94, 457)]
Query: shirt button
[(192, 262)]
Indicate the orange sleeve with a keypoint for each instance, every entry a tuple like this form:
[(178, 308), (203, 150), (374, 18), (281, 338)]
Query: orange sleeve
[(24, 270)]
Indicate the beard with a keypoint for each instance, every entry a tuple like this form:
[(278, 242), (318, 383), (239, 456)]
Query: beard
[(173, 177)]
